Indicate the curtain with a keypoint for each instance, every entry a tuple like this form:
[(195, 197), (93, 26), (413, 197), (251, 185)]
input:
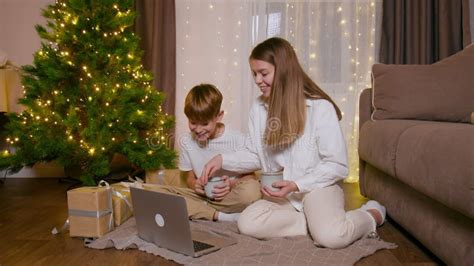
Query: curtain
[(336, 43), (423, 32), (471, 18), (156, 26)]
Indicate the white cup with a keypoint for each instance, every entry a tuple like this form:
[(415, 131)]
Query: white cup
[(268, 178), (209, 187)]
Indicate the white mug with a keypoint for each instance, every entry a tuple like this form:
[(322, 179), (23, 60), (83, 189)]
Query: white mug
[(210, 186), (268, 178)]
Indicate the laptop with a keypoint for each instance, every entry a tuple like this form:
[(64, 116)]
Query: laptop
[(162, 219)]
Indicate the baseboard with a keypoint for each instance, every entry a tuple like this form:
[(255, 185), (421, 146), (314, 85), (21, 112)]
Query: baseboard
[(39, 170)]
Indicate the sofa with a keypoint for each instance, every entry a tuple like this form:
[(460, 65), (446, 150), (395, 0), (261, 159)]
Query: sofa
[(416, 150)]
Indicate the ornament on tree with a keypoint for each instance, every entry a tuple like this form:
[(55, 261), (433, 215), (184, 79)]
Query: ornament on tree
[(87, 95)]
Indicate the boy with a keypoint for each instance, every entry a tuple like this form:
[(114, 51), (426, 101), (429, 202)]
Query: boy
[(209, 137)]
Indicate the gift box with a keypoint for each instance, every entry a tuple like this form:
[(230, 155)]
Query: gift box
[(90, 211), (170, 177), (10, 91), (122, 203)]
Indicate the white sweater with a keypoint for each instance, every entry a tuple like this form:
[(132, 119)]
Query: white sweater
[(193, 156), (318, 158)]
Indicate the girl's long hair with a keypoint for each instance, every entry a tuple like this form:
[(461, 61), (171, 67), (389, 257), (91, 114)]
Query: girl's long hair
[(291, 87)]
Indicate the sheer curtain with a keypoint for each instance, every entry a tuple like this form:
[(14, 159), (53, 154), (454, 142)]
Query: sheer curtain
[(335, 42)]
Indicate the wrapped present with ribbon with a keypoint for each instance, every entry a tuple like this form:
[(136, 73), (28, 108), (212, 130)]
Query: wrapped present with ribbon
[(122, 202), (170, 177), (90, 210)]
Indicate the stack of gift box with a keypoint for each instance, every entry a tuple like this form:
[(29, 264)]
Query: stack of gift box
[(95, 211)]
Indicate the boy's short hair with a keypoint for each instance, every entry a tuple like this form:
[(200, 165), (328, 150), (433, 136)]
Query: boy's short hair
[(203, 103)]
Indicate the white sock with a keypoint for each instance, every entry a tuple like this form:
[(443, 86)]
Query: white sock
[(228, 217)]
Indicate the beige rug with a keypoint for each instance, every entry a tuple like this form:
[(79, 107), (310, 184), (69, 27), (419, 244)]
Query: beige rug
[(248, 251)]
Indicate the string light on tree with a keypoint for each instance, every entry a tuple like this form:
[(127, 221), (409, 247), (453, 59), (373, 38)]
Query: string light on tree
[(67, 108)]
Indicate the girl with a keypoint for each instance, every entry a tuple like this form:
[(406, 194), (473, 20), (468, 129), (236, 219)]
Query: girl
[(294, 126)]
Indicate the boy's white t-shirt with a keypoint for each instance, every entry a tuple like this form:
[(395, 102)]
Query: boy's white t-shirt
[(193, 157)]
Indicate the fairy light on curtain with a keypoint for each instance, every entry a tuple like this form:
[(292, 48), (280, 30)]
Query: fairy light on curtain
[(335, 42), (214, 41), (364, 54)]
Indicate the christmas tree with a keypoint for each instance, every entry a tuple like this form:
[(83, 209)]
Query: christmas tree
[(87, 96)]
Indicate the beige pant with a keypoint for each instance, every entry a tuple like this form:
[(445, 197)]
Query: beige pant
[(244, 193), (324, 216)]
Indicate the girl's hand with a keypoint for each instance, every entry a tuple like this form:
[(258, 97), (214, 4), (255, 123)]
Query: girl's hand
[(222, 189), (213, 165), (199, 187), (286, 187)]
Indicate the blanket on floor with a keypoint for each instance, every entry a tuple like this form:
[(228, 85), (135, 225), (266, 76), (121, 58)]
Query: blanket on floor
[(298, 250)]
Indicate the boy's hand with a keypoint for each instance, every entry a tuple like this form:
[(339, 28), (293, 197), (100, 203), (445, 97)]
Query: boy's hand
[(199, 187), (233, 181), (213, 165), (222, 189), (286, 187)]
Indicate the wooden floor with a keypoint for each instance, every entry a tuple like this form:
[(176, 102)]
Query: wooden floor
[(30, 208)]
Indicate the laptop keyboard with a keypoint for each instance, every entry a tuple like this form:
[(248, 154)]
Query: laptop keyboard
[(198, 246)]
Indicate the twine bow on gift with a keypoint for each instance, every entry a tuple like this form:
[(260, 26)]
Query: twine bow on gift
[(123, 197), (135, 182)]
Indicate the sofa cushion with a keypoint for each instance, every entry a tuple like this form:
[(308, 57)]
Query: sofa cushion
[(443, 91), (437, 159), (378, 142)]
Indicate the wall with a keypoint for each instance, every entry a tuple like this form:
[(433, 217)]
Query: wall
[(19, 40), (18, 36)]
